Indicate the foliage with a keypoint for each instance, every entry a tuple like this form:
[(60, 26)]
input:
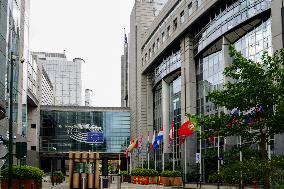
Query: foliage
[(24, 172), (171, 174), (123, 173), (252, 169), (255, 94), (59, 174), (144, 172)]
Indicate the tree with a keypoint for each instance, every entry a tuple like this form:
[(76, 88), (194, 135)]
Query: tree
[(254, 95)]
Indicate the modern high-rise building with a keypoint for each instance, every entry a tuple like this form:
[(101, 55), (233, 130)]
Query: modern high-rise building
[(124, 75), (89, 97), (177, 57), (14, 56), (65, 77)]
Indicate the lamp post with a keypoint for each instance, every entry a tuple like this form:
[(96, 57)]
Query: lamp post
[(10, 155)]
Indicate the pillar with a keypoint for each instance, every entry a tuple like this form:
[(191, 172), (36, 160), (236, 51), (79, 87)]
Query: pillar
[(97, 171), (166, 114)]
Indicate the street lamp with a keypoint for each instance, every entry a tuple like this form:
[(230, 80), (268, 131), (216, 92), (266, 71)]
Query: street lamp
[(10, 155)]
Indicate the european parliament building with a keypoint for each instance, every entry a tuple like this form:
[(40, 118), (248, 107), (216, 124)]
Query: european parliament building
[(81, 128), (179, 55)]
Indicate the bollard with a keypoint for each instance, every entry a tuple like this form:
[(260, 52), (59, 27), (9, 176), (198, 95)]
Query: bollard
[(118, 182), (83, 182)]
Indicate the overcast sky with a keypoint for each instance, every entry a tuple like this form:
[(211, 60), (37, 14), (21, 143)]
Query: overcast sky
[(89, 29)]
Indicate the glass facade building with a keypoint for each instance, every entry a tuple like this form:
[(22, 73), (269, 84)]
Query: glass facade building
[(57, 130), (65, 77)]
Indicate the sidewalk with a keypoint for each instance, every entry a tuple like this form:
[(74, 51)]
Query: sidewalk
[(48, 185), (194, 186)]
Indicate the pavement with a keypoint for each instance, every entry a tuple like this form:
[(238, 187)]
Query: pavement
[(65, 185)]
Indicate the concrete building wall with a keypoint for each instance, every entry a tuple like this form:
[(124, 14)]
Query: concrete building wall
[(189, 22)]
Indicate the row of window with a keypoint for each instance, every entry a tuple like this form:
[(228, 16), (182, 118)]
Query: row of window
[(170, 29)]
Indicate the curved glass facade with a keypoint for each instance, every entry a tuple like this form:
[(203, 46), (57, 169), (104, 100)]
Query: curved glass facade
[(56, 135), (169, 65), (209, 74), (228, 19)]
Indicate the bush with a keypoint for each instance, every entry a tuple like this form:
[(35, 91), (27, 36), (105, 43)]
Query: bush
[(171, 174), (123, 173), (25, 172), (59, 174)]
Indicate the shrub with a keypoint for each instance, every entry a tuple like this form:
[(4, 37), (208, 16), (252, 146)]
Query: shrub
[(59, 174), (24, 172), (123, 173)]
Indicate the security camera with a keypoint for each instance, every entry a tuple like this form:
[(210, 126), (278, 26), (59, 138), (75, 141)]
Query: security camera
[(22, 60)]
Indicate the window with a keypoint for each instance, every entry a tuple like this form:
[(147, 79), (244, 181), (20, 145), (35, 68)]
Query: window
[(182, 17), (154, 47), (189, 9), (150, 53), (163, 37), (146, 57), (142, 61), (198, 3), (169, 33), (33, 148), (158, 43), (33, 126), (175, 24)]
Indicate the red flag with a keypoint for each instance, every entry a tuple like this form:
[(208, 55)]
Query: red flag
[(184, 129)]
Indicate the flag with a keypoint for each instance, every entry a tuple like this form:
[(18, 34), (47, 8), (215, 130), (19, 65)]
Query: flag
[(186, 129), (140, 145), (160, 135), (156, 144), (133, 144), (148, 143), (172, 131), (125, 38), (95, 137), (153, 139)]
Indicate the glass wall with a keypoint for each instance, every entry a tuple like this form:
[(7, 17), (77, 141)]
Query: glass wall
[(209, 73), (168, 65), (175, 113), (254, 43), (235, 14), (68, 130), (3, 50)]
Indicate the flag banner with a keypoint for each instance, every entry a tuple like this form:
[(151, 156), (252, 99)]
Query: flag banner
[(153, 139), (140, 145), (95, 137), (160, 135), (148, 143), (156, 144)]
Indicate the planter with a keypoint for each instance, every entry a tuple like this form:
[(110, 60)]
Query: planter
[(177, 181), (165, 181), (146, 180), (26, 183), (153, 180), (56, 179)]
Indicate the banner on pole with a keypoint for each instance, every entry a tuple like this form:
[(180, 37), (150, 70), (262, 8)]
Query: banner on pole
[(197, 158)]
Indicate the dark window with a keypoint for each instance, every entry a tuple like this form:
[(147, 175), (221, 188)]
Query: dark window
[(33, 126), (33, 147)]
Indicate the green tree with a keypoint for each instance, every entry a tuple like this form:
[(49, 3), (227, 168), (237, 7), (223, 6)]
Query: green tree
[(255, 93)]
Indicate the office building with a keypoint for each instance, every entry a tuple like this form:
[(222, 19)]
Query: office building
[(124, 75), (176, 58), (14, 40), (65, 77), (89, 97), (66, 128)]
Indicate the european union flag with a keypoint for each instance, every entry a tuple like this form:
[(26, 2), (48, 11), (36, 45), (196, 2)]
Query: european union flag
[(95, 137)]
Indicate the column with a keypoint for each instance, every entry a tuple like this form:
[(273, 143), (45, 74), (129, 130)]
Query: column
[(166, 114), (97, 171), (188, 96)]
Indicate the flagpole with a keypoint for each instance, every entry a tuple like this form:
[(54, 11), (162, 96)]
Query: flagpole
[(185, 160), (173, 155), (200, 158), (163, 160), (148, 159), (155, 159), (130, 163)]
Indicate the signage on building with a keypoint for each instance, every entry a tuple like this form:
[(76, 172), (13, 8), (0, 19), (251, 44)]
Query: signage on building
[(91, 134)]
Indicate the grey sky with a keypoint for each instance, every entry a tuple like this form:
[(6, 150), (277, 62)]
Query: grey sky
[(89, 29)]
